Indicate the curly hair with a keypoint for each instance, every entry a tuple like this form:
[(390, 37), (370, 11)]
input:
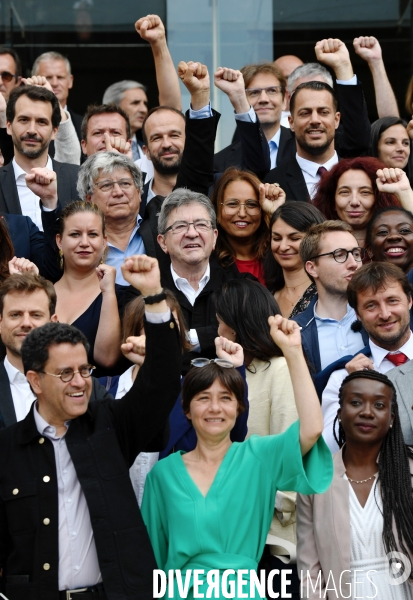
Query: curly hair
[(324, 199)]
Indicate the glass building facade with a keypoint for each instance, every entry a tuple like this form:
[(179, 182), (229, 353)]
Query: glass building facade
[(99, 39)]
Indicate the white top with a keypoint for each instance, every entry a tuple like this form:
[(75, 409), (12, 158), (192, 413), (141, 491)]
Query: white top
[(368, 563), (145, 165), (186, 288), (29, 202), (310, 168), (145, 461), (329, 402), (21, 392), (78, 559)]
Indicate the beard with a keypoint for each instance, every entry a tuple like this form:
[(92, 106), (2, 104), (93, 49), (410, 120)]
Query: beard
[(315, 149), (390, 338), (30, 152), (166, 168)]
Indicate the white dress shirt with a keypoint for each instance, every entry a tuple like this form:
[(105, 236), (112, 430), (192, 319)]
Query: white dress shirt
[(29, 202), (145, 461), (329, 402), (21, 392), (274, 142), (186, 288), (309, 170)]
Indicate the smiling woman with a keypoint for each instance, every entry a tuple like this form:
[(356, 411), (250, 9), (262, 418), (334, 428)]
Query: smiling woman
[(389, 237)]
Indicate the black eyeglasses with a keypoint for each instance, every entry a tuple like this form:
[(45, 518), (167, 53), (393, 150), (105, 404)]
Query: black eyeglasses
[(67, 374), (341, 255), (6, 76)]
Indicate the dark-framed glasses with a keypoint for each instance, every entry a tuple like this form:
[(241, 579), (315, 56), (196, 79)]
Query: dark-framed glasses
[(231, 207), (200, 225), (203, 362), (271, 91), (108, 185), (7, 77), (67, 375), (341, 254)]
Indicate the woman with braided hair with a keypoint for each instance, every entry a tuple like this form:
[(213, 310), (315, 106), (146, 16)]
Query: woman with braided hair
[(359, 534)]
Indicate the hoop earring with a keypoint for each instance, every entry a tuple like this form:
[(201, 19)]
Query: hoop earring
[(61, 260)]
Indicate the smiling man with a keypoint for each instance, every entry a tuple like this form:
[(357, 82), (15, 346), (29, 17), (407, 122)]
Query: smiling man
[(314, 119), (381, 295)]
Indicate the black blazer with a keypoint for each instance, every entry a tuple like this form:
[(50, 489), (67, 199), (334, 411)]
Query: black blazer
[(103, 443), (66, 186), (291, 179)]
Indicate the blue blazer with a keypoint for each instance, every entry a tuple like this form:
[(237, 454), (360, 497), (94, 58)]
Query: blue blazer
[(309, 337), (182, 435)]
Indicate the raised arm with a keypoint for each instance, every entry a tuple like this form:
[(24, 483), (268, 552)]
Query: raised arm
[(151, 29), (286, 334), (368, 48), (108, 336), (395, 181)]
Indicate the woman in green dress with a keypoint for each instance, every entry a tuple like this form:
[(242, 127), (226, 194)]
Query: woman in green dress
[(210, 509)]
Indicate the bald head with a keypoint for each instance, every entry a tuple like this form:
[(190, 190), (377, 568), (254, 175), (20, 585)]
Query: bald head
[(288, 63)]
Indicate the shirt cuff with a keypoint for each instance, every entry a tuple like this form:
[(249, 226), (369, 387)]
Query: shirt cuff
[(202, 113), (352, 81), (157, 318), (249, 117), (193, 340), (45, 209)]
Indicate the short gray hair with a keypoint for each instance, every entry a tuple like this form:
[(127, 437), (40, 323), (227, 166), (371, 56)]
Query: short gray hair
[(105, 162), (114, 93), (308, 70), (183, 197), (50, 56)]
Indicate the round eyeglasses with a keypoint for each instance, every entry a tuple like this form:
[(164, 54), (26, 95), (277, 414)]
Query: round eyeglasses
[(107, 186), (67, 374), (203, 362), (231, 207), (201, 225), (271, 91), (341, 254)]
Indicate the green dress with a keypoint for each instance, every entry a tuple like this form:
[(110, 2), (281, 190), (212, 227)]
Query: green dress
[(228, 527)]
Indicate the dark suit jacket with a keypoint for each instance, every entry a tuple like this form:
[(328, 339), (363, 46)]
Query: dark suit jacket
[(77, 121), (103, 443), (291, 179), (66, 186)]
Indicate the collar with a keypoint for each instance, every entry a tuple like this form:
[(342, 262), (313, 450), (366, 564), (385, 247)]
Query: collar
[(135, 229), (151, 194), (379, 354), (125, 382), (349, 314), (311, 167), (203, 281), (14, 375), (43, 426), (18, 171), (276, 138)]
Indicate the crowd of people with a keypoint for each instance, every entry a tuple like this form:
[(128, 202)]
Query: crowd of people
[(188, 336)]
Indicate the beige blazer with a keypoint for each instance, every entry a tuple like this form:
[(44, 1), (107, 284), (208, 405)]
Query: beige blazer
[(323, 537)]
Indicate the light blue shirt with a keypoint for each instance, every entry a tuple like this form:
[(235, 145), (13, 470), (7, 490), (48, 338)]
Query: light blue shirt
[(335, 338), (116, 257), (274, 142)]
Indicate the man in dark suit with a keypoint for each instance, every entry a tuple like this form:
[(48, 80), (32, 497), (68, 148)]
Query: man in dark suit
[(26, 301), (82, 527), (33, 117), (58, 72), (314, 119)]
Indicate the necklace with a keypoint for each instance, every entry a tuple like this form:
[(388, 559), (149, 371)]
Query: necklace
[(292, 287), (363, 480)]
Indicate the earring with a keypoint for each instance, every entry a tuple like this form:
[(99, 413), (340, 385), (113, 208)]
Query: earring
[(339, 420), (101, 261), (391, 425), (61, 259)]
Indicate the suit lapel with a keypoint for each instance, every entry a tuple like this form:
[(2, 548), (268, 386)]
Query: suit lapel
[(6, 400), (296, 182), (284, 150), (8, 190)]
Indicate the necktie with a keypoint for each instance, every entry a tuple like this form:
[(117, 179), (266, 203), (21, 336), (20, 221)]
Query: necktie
[(397, 359), (321, 170)]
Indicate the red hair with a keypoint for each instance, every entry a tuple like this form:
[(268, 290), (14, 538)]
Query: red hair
[(324, 199)]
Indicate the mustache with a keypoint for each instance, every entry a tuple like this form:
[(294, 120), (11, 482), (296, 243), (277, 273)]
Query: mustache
[(34, 138), (169, 151)]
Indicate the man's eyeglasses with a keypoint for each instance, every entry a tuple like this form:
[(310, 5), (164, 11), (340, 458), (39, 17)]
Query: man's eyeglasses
[(200, 225), (203, 362), (341, 255), (231, 207), (7, 77), (107, 186), (273, 90), (67, 374)]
